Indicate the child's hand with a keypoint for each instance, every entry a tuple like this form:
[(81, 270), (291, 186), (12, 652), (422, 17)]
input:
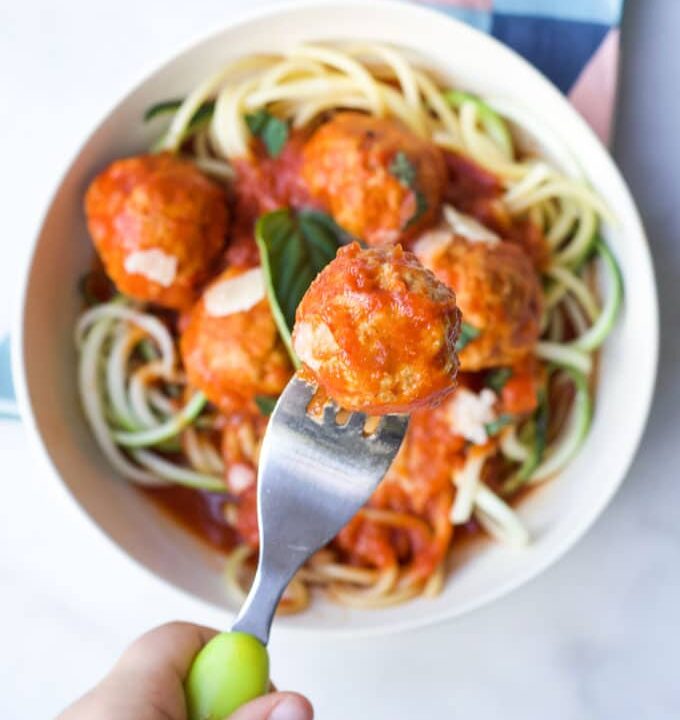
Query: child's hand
[(147, 683)]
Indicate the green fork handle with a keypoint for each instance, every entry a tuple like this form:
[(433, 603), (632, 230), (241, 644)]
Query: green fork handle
[(231, 670)]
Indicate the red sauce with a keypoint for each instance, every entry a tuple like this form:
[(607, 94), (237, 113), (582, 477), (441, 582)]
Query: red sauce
[(264, 184), (477, 192), (470, 187), (198, 511)]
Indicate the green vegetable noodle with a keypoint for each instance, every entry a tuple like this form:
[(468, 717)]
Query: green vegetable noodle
[(538, 430), (490, 120)]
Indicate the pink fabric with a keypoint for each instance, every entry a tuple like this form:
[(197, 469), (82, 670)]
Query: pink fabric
[(593, 94)]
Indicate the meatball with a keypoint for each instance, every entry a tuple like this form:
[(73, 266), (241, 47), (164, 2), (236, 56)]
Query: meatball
[(380, 182), (378, 331), (230, 346), (498, 292), (158, 224)]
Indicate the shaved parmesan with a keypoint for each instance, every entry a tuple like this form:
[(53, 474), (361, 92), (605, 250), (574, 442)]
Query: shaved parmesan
[(467, 227), (469, 413), (313, 341), (154, 265), (235, 294), (240, 477), (431, 244)]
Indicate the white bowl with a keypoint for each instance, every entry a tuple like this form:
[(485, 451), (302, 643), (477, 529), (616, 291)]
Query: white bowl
[(45, 357)]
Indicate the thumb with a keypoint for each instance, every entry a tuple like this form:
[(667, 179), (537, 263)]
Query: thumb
[(276, 706)]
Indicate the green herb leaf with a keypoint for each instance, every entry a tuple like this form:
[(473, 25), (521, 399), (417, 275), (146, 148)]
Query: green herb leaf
[(421, 209), (167, 107), (271, 130), (294, 248), (402, 169), (495, 426), (467, 334), (265, 404), (496, 379)]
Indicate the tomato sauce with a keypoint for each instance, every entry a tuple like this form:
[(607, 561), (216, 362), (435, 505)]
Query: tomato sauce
[(264, 184), (200, 512)]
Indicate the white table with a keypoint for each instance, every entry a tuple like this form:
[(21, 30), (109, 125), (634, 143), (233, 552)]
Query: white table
[(595, 637)]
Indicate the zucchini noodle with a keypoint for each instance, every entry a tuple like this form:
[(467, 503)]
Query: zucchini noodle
[(573, 434), (467, 481), (498, 518), (117, 404), (155, 430), (511, 447)]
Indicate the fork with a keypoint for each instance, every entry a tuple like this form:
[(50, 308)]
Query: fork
[(314, 475)]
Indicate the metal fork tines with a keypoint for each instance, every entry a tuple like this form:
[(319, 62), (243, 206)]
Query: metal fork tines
[(314, 475)]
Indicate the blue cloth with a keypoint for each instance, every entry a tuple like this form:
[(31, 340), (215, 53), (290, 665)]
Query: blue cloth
[(559, 37)]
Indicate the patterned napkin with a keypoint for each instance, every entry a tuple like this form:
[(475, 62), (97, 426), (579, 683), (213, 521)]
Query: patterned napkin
[(575, 43)]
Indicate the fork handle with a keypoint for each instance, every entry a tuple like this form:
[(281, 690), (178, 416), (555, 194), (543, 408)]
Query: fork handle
[(230, 670), (233, 668), (257, 612)]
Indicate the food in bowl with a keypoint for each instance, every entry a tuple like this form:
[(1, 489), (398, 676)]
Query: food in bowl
[(377, 332), (311, 150)]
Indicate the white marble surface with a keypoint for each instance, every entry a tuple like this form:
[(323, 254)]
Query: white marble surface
[(597, 636)]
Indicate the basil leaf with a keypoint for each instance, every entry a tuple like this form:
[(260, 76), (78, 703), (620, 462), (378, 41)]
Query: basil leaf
[(497, 379), (271, 130), (402, 169), (265, 404), (294, 248), (201, 116), (495, 426), (315, 221), (467, 334), (421, 209)]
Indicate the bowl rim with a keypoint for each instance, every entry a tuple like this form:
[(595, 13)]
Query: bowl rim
[(232, 20)]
